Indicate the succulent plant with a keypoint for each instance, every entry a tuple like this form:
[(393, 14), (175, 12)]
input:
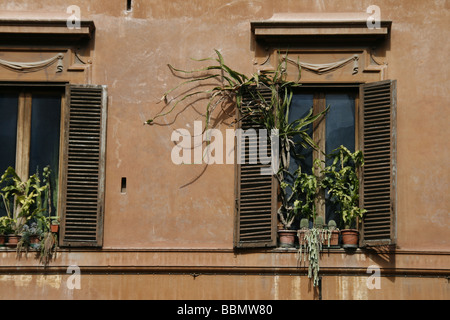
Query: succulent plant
[(332, 225), (319, 223), (304, 223)]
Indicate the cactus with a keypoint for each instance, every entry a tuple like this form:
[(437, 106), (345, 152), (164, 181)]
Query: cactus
[(304, 223), (332, 225), (319, 223)]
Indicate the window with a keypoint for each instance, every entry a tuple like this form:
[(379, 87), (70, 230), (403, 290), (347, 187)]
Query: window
[(62, 126), (30, 128), (361, 117), (337, 128)]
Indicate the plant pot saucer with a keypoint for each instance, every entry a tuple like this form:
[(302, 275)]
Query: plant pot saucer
[(350, 246), (334, 246)]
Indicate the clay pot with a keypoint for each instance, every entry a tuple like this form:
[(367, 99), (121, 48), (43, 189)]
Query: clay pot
[(2, 239), (13, 240), (287, 238), (350, 238), (334, 239), (34, 240), (54, 228)]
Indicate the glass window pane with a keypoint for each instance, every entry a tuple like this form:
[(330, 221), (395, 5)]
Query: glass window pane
[(301, 104), (45, 137), (9, 105), (8, 130), (340, 122), (340, 130)]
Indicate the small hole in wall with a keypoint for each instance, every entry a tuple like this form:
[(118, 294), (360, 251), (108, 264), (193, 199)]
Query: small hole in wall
[(123, 185), (129, 5)]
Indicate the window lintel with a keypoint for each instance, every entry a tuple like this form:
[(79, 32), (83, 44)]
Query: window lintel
[(43, 28), (313, 29)]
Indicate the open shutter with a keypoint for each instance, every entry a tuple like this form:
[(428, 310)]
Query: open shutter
[(378, 142), (83, 175), (256, 218)]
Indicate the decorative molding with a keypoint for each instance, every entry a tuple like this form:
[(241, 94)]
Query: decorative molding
[(327, 67), (324, 46), (34, 66), (58, 63)]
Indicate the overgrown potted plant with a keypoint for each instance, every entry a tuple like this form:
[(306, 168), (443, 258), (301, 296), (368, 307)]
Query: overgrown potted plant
[(31, 236), (342, 183), (48, 224), (272, 112), (31, 212), (23, 195), (311, 243), (48, 244)]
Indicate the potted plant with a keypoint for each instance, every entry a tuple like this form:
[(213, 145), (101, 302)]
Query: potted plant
[(272, 112), (30, 202), (54, 226), (302, 231), (312, 242), (48, 245), (5, 229), (9, 224), (342, 183), (31, 236), (298, 190), (23, 195), (331, 237)]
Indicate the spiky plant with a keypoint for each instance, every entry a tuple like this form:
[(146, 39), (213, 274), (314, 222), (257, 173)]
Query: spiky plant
[(272, 112)]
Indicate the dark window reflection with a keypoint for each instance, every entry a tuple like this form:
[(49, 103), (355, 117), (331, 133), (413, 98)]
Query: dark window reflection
[(9, 104), (45, 133)]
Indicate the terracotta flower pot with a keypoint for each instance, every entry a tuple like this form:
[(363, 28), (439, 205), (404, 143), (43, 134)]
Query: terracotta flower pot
[(54, 228), (13, 240), (2, 239), (350, 238), (287, 238), (334, 239), (34, 240)]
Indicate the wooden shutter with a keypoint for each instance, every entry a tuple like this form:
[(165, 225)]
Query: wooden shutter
[(82, 202), (256, 218), (378, 142)]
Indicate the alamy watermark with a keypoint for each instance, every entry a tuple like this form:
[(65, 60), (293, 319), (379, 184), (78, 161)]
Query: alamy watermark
[(252, 147), (74, 280), (374, 280), (74, 21), (374, 21)]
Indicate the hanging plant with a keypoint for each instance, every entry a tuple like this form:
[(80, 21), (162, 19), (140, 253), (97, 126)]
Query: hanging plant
[(272, 112)]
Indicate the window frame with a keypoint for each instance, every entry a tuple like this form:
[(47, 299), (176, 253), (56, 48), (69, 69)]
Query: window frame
[(25, 93), (99, 100), (384, 95), (319, 92)]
